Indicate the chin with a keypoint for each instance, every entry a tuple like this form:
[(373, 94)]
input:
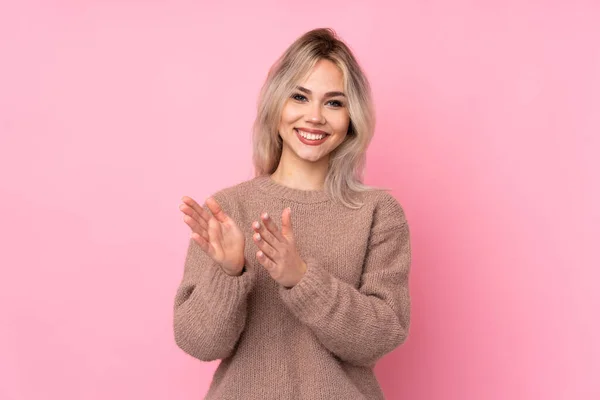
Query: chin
[(311, 157), (312, 160)]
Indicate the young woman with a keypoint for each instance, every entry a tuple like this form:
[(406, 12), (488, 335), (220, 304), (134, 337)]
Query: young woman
[(297, 280)]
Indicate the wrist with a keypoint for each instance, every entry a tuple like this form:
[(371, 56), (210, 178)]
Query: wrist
[(238, 273)]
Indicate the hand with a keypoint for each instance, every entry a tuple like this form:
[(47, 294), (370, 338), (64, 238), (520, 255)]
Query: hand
[(218, 235), (278, 252)]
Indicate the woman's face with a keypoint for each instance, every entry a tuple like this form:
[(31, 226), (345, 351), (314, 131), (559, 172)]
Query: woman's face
[(318, 111)]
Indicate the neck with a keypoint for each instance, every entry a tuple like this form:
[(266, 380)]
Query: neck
[(300, 174)]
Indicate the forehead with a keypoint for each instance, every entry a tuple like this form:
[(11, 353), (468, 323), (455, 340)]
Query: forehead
[(325, 76)]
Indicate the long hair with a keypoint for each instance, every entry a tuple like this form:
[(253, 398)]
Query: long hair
[(347, 162)]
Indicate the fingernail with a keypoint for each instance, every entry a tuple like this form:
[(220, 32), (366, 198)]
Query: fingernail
[(257, 236), (265, 216), (256, 225)]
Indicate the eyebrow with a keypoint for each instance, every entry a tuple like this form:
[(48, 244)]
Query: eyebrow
[(328, 94)]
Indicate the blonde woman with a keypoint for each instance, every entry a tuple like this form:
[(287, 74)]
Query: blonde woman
[(297, 279)]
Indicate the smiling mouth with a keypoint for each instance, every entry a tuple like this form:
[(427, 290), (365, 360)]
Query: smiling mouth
[(311, 139)]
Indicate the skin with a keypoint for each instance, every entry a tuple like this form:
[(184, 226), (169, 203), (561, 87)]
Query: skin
[(301, 167)]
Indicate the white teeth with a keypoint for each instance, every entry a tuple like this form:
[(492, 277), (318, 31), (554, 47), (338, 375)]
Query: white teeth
[(311, 136)]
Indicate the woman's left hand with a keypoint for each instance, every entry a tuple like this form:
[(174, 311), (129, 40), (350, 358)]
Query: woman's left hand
[(278, 252)]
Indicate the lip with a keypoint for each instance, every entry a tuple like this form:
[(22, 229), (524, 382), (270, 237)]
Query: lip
[(310, 142), (317, 131)]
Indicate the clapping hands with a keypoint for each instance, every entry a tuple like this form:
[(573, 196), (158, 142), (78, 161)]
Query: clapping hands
[(218, 235), (278, 253), (221, 239)]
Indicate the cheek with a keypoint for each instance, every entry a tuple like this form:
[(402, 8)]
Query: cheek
[(290, 114), (341, 124)]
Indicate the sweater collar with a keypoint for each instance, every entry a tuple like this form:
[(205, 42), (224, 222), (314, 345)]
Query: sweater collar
[(267, 185)]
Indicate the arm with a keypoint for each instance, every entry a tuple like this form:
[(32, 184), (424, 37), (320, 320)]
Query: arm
[(361, 325), (210, 307)]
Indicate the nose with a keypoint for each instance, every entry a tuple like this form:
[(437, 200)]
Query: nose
[(315, 115)]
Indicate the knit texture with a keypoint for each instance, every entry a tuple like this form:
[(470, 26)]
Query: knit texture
[(321, 338)]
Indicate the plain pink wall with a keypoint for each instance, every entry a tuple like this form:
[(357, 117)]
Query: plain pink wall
[(488, 133)]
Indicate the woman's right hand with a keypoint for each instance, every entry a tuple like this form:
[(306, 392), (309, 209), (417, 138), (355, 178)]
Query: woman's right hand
[(218, 235)]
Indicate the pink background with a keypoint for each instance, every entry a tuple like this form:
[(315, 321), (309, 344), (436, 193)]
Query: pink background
[(488, 133)]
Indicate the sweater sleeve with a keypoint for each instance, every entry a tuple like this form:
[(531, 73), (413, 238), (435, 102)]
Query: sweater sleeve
[(361, 325), (210, 306)]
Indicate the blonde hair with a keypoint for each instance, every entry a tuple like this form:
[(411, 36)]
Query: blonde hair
[(347, 161)]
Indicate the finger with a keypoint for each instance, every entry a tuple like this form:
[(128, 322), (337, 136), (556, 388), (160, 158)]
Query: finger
[(200, 211), (268, 222), (264, 260), (265, 234), (186, 209), (195, 227), (216, 209), (214, 231), (286, 223), (265, 247), (203, 243)]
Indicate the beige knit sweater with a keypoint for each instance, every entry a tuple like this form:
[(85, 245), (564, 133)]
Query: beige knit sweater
[(321, 338)]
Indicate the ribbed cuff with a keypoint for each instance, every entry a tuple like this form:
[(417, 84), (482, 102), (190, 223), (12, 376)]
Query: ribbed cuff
[(223, 291), (308, 299)]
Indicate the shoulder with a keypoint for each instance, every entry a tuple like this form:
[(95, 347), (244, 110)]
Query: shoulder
[(384, 203), (232, 196), (387, 211), (231, 192)]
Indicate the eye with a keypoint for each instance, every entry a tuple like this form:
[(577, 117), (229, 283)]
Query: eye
[(298, 96), (302, 98)]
